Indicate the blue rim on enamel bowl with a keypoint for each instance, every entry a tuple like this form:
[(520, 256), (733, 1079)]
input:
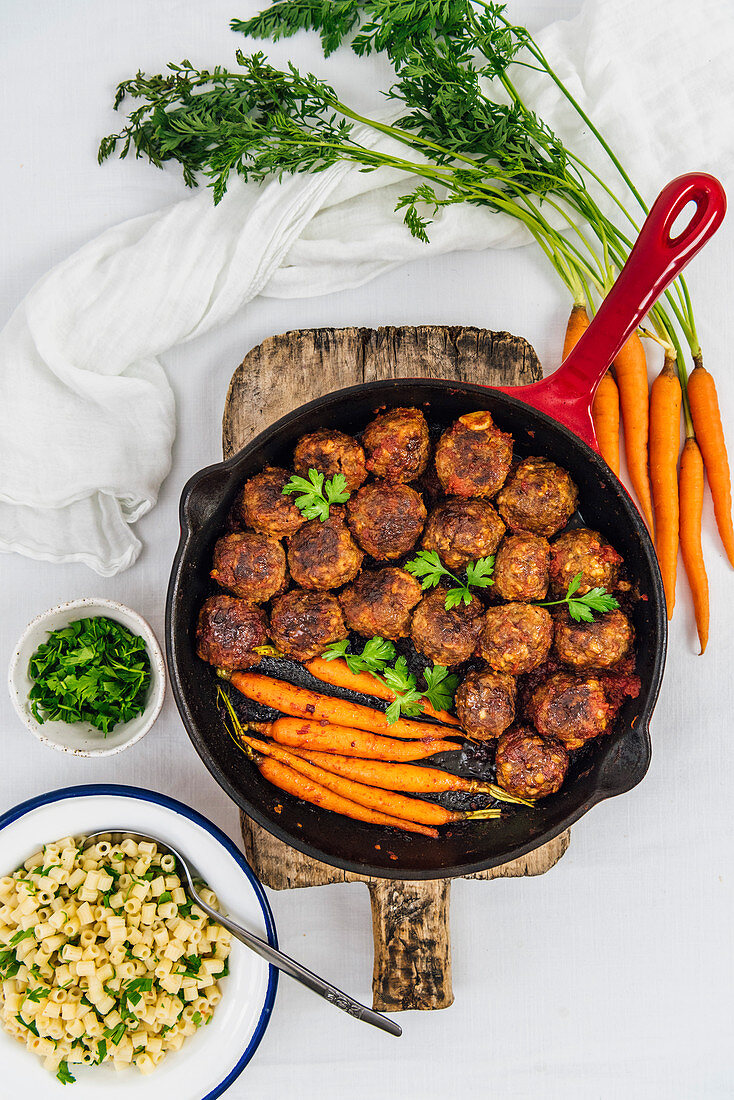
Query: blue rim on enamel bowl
[(144, 795)]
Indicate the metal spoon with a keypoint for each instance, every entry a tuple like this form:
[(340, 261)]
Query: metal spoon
[(260, 947)]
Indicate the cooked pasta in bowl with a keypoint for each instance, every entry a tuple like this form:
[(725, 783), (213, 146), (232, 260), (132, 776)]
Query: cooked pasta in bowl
[(111, 979)]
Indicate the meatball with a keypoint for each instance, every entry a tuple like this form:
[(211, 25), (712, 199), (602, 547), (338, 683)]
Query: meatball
[(516, 637), (530, 766), (386, 519), (473, 457), (264, 506), (331, 452), (521, 568), (381, 603), (572, 709), (461, 531), (397, 445), (303, 624), (250, 564), (228, 631), (585, 552), (601, 644), (540, 497), (485, 703), (323, 554), (446, 637)]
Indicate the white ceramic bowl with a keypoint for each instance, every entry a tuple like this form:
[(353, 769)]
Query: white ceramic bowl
[(209, 1061), (81, 738)]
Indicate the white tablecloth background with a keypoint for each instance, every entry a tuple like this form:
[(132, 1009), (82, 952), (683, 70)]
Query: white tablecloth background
[(609, 977)]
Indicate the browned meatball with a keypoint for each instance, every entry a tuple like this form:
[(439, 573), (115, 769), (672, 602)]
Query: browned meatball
[(571, 708), (331, 452), (446, 637), (397, 445), (250, 564), (461, 531), (601, 644), (386, 520), (516, 637), (530, 766), (485, 703), (303, 624), (228, 630), (324, 555), (540, 497), (585, 552), (473, 457), (380, 603), (521, 568), (264, 506)]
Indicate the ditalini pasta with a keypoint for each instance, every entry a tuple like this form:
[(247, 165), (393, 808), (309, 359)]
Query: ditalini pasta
[(103, 956)]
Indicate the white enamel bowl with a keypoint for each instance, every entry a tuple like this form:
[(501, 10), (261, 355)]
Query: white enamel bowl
[(209, 1061), (81, 738)]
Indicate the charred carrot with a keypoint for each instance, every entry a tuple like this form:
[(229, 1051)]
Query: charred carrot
[(302, 703), (403, 777), (374, 798), (691, 506), (323, 737), (710, 436), (293, 783), (605, 414), (338, 674), (577, 325), (630, 368), (665, 406)]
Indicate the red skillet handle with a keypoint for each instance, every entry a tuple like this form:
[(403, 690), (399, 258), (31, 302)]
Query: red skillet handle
[(655, 260)]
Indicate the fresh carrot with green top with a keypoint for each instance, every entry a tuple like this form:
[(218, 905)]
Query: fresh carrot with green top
[(691, 506), (665, 406), (630, 368), (706, 417), (605, 414)]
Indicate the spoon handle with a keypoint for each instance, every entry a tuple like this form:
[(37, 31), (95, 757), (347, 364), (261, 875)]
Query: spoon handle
[(302, 974)]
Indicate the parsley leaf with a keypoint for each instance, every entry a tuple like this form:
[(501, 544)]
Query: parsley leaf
[(582, 608), (316, 494), (63, 1074), (115, 1034), (101, 1050), (31, 1026), (428, 566), (440, 686)]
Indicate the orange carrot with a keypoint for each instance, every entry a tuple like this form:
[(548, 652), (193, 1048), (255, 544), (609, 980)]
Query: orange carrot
[(578, 323), (338, 674), (665, 406), (401, 777), (710, 435), (293, 783), (374, 798), (301, 703), (605, 414), (691, 506), (323, 737), (631, 371)]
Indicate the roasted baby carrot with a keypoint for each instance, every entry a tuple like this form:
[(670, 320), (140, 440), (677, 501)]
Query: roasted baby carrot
[(324, 737), (630, 368), (374, 798), (710, 437), (301, 703), (605, 414), (665, 406), (293, 783), (691, 506), (403, 777), (338, 674)]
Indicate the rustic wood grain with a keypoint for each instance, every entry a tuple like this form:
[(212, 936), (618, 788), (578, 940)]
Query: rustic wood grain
[(410, 920)]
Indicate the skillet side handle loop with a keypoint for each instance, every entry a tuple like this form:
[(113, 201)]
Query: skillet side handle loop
[(655, 260)]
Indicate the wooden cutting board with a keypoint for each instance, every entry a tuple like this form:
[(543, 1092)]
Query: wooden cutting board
[(410, 920)]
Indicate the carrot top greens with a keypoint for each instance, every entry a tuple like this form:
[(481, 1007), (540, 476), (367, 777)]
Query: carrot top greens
[(94, 670)]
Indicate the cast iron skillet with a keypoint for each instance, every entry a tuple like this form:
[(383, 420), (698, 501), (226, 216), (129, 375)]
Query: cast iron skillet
[(619, 761)]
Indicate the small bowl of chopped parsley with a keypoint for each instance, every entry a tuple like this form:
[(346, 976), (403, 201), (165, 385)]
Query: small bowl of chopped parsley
[(88, 677)]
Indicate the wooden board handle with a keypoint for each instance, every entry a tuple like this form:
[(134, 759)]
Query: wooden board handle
[(410, 925)]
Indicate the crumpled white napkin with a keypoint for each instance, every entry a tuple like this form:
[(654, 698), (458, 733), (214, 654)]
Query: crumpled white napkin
[(79, 367)]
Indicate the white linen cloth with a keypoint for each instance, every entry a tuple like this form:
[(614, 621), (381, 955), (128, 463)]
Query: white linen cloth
[(87, 417)]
